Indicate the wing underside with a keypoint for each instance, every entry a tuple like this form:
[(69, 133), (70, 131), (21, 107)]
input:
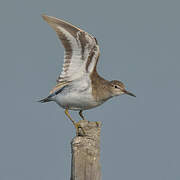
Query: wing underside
[(81, 49)]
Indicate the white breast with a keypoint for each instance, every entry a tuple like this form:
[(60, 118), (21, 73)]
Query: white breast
[(77, 96)]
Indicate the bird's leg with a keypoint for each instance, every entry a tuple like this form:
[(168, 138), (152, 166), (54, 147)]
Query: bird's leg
[(68, 115), (81, 114), (76, 124)]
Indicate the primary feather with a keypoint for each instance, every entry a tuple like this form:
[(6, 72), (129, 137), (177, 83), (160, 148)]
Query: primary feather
[(81, 49)]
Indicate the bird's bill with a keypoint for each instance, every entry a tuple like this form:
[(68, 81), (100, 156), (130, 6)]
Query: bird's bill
[(129, 93)]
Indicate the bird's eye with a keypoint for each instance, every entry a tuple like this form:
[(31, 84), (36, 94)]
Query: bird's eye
[(115, 86)]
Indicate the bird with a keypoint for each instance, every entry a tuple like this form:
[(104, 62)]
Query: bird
[(79, 87)]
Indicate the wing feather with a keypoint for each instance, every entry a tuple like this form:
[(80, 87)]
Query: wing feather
[(81, 49)]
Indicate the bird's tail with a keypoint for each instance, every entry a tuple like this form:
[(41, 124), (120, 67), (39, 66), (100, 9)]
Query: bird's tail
[(47, 99)]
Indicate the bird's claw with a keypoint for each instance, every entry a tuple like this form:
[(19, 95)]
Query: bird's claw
[(79, 129)]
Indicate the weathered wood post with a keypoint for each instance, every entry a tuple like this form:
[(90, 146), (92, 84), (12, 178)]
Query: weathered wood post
[(85, 163)]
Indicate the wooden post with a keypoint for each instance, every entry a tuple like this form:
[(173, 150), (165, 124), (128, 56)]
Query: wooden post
[(85, 163)]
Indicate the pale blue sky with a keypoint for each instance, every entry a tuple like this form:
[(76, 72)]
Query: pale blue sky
[(140, 45)]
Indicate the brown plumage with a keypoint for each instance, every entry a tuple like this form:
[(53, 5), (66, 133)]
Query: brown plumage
[(79, 86)]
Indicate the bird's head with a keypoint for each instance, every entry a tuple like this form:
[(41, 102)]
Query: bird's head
[(118, 88)]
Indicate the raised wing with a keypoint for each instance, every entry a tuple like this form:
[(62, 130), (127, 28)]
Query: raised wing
[(81, 49)]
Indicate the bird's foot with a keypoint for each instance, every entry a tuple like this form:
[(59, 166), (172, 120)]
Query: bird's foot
[(79, 129), (98, 124)]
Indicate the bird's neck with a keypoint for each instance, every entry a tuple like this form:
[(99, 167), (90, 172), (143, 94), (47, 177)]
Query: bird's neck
[(100, 90)]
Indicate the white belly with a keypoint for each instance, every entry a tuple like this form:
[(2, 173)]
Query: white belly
[(76, 102), (78, 97)]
